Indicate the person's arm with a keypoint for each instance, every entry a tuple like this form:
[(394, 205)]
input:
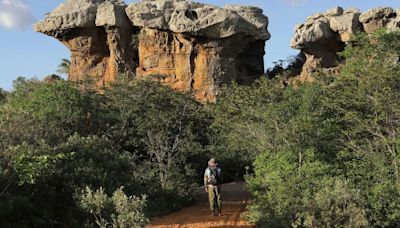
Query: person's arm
[(205, 180)]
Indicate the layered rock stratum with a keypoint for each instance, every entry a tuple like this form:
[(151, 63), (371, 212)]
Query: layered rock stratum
[(323, 35), (189, 46)]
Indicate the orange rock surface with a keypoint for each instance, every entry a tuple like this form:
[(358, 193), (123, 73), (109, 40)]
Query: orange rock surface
[(198, 65)]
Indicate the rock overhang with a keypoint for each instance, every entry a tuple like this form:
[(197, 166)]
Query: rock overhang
[(73, 14), (178, 16), (341, 24)]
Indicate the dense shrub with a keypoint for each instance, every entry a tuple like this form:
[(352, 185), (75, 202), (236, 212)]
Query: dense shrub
[(56, 139), (332, 156), (118, 211)]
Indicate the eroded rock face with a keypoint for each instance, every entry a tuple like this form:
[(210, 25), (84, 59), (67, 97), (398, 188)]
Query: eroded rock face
[(197, 64), (378, 18), (322, 36), (197, 47), (189, 46), (181, 16), (99, 36)]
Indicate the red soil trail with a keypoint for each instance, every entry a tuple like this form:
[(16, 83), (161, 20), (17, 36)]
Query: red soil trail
[(234, 201)]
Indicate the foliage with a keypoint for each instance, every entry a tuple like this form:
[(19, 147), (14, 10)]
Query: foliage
[(167, 130), (118, 211), (56, 138), (350, 124), (303, 195), (287, 68), (3, 96), (64, 66)]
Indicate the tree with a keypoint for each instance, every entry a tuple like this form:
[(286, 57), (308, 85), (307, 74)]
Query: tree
[(55, 139), (3, 96), (165, 129), (64, 66)]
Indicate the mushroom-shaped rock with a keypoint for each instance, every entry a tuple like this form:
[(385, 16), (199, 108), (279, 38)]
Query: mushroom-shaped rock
[(323, 35), (197, 47), (98, 34), (189, 46), (335, 25)]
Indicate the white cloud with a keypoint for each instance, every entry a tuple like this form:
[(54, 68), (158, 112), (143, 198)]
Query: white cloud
[(15, 14)]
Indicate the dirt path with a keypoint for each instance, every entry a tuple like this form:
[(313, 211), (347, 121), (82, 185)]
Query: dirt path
[(234, 201)]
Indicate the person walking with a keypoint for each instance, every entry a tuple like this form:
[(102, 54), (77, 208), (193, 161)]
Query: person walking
[(212, 183)]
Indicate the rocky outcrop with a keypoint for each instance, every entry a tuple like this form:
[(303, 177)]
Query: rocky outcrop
[(189, 46), (99, 36), (197, 47), (198, 64), (378, 18), (323, 35), (181, 16)]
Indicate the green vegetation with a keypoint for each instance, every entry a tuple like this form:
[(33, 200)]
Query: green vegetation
[(123, 211), (56, 140), (328, 151), (64, 66), (324, 154)]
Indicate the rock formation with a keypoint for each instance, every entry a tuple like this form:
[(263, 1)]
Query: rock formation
[(322, 36), (99, 36), (375, 19), (189, 46), (196, 47)]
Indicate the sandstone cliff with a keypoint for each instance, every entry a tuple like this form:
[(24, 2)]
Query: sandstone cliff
[(189, 46), (323, 35)]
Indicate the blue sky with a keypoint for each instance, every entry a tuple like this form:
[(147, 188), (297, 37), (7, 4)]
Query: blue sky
[(26, 53)]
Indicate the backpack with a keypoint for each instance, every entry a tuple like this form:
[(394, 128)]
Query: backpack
[(213, 177)]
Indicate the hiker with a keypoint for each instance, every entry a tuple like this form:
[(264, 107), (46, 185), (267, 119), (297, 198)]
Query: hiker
[(212, 183)]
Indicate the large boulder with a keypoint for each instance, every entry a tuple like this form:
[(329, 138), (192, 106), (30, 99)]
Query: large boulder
[(99, 36), (323, 35), (189, 46)]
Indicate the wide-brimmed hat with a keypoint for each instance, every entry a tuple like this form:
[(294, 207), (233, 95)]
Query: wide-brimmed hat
[(212, 162)]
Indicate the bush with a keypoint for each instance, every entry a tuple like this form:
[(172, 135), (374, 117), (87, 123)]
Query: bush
[(350, 124), (56, 138), (118, 211)]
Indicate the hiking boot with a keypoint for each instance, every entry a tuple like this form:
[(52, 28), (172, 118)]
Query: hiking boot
[(219, 213)]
